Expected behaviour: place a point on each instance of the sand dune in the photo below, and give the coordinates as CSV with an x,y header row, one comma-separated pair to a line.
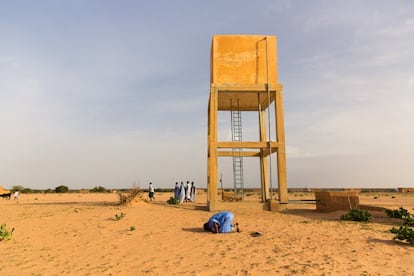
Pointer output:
x,y
77,234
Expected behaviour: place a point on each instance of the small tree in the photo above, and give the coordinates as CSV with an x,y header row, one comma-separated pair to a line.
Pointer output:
x,y
18,188
98,189
61,189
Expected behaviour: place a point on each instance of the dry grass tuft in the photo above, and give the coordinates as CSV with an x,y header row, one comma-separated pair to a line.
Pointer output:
x,y
134,195
230,196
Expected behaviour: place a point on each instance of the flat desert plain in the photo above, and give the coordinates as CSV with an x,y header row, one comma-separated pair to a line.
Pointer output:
x,y
78,234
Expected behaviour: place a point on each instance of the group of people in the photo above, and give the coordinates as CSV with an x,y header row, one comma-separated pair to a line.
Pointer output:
x,y
185,192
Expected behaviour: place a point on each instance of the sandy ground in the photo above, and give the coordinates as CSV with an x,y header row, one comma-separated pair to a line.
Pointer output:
x,y
77,234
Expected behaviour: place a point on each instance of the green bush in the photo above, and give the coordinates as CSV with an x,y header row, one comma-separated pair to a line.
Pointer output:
x,y
99,189
4,234
356,215
404,233
120,216
18,188
408,219
173,201
397,213
61,189
27,191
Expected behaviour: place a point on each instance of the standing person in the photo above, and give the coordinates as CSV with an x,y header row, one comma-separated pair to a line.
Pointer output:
x,y
221,223
188,191
177,191
192,192
182,192
151,191
16,195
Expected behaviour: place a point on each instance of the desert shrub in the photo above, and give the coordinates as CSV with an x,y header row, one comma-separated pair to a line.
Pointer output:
x,y
408,219
98,189
132,228
404,233
173,201
18,188
27,191
230,196
162,190
397,213
126,198
4,233
119,216
356,215
61,189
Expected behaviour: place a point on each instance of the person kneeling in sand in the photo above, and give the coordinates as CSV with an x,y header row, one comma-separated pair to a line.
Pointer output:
x,y
221,223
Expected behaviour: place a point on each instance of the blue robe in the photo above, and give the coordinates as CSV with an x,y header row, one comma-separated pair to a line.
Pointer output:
x,y
177,192
223,219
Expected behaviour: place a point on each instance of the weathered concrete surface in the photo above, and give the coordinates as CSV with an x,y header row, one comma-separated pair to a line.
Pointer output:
x,y
330,201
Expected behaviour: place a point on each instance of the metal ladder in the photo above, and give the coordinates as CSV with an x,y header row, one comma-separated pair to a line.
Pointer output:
x,y
236,126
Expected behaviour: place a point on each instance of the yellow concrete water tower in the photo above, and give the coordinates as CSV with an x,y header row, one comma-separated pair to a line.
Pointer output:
x,y
243,70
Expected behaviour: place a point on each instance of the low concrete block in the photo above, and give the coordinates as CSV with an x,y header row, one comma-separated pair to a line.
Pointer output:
x,y
330,201
406,190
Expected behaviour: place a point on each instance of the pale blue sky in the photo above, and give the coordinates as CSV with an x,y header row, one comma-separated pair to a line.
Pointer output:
x,y
113,92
